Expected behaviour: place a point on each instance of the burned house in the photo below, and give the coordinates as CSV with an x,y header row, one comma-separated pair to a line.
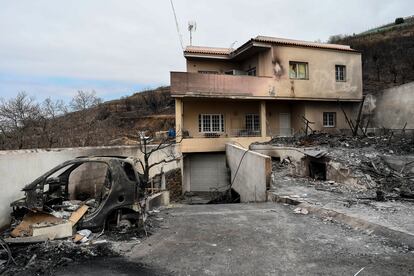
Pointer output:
x,y
267,87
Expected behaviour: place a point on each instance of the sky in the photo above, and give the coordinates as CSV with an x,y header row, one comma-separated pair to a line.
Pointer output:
x,y
51,48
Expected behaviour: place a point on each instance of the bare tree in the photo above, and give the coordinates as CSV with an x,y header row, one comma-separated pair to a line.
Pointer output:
x,y
18,118
166,145
84,100
50,111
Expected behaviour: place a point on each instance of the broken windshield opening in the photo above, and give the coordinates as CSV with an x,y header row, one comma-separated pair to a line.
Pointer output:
x,y
89,180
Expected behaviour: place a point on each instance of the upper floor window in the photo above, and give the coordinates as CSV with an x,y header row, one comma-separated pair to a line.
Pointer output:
x,y
340,72
251,71
298,70
208,123
329,119
253,122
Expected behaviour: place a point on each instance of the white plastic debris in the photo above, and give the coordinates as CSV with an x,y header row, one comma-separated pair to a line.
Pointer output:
x,y
85,233
300,210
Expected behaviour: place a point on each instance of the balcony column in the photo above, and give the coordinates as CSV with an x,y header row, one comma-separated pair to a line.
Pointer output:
x,y
178,118
263,118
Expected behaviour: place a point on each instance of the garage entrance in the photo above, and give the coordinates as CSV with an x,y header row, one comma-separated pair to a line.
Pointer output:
x,y
206,172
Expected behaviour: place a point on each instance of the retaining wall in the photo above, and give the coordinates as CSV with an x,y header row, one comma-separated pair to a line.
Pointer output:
x,y
250,171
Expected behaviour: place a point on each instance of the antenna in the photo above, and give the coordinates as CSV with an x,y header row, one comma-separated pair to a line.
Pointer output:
x,y
192,27
177,26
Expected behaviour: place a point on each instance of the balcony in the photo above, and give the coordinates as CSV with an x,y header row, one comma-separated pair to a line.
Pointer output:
x,y
252,87
199,85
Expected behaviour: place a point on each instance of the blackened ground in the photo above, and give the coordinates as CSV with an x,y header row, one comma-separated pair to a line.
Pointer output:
x,y
45,258
110,266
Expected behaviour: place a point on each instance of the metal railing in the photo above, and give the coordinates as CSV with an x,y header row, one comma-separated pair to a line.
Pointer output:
x,y
244,133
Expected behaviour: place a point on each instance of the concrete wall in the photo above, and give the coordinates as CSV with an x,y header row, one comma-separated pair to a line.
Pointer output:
x,y
20,167
395,107
253,177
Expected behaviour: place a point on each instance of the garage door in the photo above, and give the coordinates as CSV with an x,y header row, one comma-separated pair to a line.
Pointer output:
x,y
208,172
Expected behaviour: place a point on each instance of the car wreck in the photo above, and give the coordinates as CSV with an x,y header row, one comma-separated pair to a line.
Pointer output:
x,y
104,190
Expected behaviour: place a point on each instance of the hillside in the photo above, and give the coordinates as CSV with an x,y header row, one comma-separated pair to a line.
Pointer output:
x,y
119,121
387,54
114,122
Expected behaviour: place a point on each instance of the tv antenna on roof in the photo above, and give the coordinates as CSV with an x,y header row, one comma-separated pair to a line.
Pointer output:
x,y
192,27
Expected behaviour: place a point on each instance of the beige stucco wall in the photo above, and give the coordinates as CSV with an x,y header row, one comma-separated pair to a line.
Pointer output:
x,y
221,66
321,66
314,113
321,82
235,111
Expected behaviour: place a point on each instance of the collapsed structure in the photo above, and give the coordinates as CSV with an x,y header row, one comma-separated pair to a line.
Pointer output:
x,y
267,87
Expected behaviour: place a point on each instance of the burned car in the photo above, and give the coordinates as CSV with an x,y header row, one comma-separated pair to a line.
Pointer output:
x,y
109,186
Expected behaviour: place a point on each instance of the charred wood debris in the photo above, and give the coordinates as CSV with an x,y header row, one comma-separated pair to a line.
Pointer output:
x,y
44,255
385,162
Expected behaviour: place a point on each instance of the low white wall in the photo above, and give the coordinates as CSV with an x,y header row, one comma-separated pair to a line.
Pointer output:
x,y
253,176
20,167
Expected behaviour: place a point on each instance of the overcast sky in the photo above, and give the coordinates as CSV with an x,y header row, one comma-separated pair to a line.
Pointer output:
x,y
117,47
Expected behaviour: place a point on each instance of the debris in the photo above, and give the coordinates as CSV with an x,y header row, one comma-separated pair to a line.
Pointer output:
x,y
359,271
300,210
100,191
24,228
78,214
99,242
82,235
58,231
37,239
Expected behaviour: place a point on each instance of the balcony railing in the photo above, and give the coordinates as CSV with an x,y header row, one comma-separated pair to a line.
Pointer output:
x,y
244,133
215,84
231,133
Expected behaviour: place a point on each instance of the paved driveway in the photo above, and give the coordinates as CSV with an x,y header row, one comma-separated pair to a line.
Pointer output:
x,y
253,239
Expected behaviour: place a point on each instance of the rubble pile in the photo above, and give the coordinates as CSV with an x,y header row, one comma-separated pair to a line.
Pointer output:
x,y
383,164
44,257
174,185
402,143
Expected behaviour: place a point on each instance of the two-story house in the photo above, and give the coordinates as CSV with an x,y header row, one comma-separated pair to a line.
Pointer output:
x,y
267,87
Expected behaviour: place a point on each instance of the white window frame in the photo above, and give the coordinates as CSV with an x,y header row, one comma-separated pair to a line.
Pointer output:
x,y
296,77
252,118
338,76
329,121
202,118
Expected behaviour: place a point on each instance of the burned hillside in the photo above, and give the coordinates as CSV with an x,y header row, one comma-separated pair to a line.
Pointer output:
x,y
387,54
110,123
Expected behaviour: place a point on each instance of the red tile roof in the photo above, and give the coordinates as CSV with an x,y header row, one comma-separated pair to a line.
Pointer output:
x,y
264,39
302,43
208,50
